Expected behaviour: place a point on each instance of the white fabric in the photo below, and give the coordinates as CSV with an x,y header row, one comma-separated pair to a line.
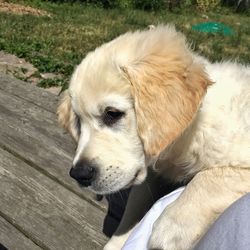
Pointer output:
x,y
139,237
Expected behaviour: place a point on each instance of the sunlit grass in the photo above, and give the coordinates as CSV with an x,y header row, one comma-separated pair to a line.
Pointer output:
x,y
58,43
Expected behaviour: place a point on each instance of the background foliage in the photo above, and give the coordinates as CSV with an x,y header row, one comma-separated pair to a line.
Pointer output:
x,y
204,5
58,42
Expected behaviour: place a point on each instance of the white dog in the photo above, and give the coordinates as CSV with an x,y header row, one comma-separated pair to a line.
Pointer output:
x,y
145,99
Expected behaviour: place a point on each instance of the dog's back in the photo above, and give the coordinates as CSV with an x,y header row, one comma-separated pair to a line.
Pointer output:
x,y
228,103
219,135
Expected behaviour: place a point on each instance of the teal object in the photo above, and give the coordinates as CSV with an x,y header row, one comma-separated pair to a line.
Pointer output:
x,y
213,27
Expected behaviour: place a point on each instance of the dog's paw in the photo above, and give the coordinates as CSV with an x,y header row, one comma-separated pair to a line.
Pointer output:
x,y
116,242
173,230
165,234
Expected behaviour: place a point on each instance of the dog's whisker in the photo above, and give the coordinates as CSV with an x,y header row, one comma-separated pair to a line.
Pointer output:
x,y
124,202
151,194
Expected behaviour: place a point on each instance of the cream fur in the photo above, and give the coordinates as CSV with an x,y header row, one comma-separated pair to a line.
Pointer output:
x,y
175,119
219,134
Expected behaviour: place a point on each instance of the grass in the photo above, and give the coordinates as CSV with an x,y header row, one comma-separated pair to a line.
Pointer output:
x,y
58,43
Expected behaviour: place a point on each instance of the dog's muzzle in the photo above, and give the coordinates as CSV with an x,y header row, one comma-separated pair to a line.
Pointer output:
x,y
83,172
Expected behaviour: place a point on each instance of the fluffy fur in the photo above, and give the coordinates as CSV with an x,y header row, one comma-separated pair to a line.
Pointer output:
x,y
184,115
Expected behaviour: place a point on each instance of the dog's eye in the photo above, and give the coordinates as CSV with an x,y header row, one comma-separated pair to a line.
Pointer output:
x,y
112,115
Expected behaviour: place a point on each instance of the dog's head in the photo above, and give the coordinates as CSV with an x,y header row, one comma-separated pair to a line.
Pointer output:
x,y
127,101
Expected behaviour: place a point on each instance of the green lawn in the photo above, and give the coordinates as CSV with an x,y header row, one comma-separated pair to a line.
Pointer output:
x,y
58,43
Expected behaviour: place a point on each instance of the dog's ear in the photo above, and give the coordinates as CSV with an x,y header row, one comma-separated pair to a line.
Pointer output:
x,y
167,92
66,116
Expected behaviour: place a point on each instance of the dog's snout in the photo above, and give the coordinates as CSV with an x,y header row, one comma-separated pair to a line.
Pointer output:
x,y
83,172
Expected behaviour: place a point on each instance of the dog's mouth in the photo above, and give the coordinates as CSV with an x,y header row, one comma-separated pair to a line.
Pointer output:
x,y
138,178
132,181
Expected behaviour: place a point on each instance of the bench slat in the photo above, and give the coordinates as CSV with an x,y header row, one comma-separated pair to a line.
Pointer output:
x,y
50,215
26,91
33,133
13,239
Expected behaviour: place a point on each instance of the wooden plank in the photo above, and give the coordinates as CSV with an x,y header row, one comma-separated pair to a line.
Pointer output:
x,y
13,239
32,133
30,93
49,214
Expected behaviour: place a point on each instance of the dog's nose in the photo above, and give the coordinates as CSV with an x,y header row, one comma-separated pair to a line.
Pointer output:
x,y
83,172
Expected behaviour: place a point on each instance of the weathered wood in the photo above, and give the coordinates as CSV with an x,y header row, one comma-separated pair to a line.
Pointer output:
x,y
29,93
32,132
13,239
46,212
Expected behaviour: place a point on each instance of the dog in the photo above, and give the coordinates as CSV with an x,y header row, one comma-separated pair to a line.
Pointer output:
x,y
145,99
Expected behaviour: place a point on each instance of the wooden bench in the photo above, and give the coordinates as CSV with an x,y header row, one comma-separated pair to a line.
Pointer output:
x,y
41,207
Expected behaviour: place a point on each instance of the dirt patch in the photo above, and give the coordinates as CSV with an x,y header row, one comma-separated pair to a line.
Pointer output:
x,y
11,64
21,10
21,69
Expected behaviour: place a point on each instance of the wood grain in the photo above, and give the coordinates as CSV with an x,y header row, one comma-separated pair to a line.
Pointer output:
x,y
47,213
29,93
32,133
13,239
